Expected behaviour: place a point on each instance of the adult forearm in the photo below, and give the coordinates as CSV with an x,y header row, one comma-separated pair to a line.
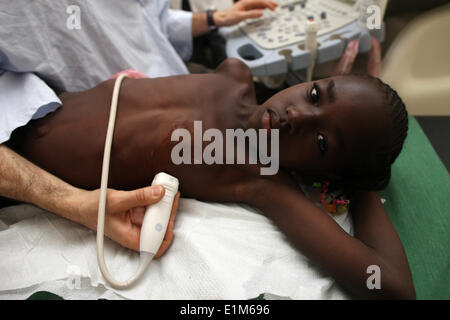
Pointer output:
x,y
23,181
200,22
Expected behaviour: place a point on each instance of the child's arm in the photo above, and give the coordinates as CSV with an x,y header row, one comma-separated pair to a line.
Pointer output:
x,y
323,241
373,227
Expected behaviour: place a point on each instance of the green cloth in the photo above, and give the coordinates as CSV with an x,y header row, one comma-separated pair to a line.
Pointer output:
x,y
418,203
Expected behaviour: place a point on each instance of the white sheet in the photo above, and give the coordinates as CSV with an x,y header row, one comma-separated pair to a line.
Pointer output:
x,y
219,252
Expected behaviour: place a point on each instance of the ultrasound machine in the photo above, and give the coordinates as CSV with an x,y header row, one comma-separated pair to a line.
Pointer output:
x,y
275,46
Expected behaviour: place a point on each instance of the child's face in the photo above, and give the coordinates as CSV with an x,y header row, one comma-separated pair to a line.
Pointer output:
x,y
327,125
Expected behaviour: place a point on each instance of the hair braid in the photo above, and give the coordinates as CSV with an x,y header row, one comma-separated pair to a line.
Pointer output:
x,y
376,173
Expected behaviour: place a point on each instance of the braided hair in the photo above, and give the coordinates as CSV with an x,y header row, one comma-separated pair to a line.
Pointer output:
x,y
375,172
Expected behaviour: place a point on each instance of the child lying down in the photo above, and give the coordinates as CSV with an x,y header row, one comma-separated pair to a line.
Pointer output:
x,y
346,130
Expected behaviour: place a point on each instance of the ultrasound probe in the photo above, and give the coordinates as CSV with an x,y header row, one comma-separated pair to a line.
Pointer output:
x,y
156,216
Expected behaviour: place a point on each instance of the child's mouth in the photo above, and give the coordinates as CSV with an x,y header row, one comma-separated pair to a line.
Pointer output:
x,y
266,120
271,120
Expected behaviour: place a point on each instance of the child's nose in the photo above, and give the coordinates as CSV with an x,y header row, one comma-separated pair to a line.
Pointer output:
x,y
299,119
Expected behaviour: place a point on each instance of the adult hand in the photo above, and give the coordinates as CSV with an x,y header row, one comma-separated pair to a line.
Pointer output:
x,y
125,212
347,60
242,10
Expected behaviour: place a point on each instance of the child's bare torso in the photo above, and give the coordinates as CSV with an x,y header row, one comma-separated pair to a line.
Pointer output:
x,y
69,143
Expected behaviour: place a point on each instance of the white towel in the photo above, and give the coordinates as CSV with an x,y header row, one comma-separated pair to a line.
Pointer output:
x,y
220,251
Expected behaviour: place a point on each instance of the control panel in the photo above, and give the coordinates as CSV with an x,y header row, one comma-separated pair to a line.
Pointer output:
x,y
285,25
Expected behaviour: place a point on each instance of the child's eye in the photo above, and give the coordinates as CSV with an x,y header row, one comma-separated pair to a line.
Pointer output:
x,y
315,93
322,142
